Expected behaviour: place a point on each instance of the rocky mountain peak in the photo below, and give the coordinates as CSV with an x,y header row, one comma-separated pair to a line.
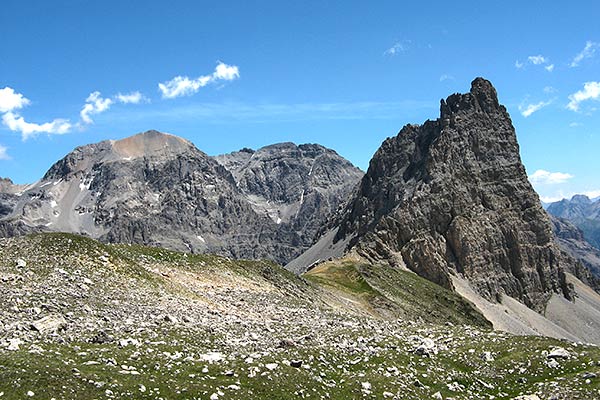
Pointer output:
x,y
150,144
451,198
481,98
581,199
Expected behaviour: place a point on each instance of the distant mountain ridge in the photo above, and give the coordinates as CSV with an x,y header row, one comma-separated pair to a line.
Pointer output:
x,y
583,212
158,189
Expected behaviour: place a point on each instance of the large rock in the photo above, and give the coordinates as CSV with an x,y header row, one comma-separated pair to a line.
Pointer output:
x,y
451,197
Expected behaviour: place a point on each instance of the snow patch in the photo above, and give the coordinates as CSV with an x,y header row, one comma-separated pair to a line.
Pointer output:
x,y
53,203
200,238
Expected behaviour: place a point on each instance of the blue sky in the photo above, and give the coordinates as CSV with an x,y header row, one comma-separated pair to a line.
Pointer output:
x,y
346,74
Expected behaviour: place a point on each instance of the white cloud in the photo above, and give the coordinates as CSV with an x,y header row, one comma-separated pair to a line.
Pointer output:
x,y
130,98
591,91
588,52
184,86
549,68
226,72
519,64
537,60
11,100
529,109
3,153
575,124
16,123
446,77
543,177
550,89
398,47
94,104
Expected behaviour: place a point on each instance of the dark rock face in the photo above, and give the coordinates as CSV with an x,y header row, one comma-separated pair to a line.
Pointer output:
x,y
583,213
158,189
452,196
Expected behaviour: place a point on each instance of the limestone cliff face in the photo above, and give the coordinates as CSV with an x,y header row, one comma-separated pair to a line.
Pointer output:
x,y
158,189
451,196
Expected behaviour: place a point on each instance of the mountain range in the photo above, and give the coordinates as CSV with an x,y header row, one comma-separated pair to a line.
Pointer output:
x,y
448,200
158,189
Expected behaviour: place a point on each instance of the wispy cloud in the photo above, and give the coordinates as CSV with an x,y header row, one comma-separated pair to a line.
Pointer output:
x,y
269,113
130,98
446,77
4,153
527,110
397,48
543,177
184,86
588,52
560,195
590,91
16,123
536,60
11,100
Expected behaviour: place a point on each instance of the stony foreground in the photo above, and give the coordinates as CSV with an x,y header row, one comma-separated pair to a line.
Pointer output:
x,y
81,320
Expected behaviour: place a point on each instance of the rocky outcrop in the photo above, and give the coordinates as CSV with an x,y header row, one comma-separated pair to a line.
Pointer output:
x,y
451,197
158,189
583,213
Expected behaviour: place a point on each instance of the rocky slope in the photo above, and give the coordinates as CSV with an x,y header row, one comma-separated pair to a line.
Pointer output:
x,y
583,213
83,320
571,240
158,189
450,200
296,186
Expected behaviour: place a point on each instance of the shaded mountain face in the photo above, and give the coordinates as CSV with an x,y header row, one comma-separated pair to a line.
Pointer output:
x,y
297,187
571,239
159,189
452,197
583,213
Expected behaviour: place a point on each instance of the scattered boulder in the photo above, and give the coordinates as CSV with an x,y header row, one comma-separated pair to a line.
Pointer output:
x,y
559,352
487,356
426,348
13,344
49,324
